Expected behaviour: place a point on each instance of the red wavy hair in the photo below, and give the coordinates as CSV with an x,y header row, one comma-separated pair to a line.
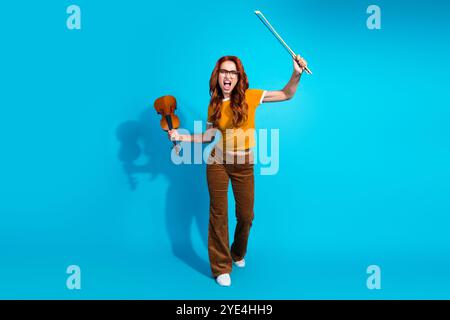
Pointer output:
x,y
237,97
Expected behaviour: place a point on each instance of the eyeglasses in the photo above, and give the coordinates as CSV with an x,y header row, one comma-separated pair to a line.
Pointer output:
x,y
231,73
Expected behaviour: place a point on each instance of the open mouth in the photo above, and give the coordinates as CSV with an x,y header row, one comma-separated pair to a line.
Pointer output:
x,y
227,85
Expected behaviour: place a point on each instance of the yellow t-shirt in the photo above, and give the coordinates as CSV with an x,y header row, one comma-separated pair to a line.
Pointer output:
x,y
243,137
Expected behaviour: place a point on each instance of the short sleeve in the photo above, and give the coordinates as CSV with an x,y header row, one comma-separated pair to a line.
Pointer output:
x,y
255,97
210,112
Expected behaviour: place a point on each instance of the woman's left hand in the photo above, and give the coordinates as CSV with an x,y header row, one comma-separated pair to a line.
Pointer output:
x,y
299,64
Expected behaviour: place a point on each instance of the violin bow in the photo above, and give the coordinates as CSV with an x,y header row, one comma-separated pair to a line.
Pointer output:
x,y
275,33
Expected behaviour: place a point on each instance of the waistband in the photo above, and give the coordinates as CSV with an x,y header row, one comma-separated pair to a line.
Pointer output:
x,y
231,157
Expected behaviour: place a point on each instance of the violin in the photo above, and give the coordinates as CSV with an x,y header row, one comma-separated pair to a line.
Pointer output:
x,y
165,106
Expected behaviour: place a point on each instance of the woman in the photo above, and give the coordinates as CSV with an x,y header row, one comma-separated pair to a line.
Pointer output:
x,y
231,112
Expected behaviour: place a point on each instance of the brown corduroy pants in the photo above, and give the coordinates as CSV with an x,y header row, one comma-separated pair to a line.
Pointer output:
x,y
242,181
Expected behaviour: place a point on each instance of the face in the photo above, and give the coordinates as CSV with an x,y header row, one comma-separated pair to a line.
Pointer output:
x,y
228,77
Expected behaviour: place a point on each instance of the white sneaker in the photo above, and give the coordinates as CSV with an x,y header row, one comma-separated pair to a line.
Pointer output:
x,y
240,263
224,280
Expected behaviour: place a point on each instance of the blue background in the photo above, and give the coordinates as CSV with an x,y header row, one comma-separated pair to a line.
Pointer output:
x,y
86,177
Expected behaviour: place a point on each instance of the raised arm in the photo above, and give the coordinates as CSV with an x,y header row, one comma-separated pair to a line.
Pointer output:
x,y
291,87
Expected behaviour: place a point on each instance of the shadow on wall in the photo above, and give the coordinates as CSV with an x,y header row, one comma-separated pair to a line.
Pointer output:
x,y
187,199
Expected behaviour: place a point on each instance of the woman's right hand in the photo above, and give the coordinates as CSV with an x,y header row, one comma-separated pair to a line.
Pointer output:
x,y
174,135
